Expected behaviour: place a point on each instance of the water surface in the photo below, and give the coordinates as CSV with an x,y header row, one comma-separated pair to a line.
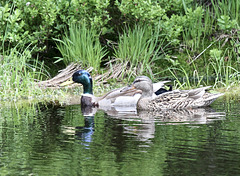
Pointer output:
x,y
58,140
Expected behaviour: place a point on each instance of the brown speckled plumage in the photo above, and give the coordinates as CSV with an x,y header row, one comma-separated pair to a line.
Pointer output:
x,y
176,99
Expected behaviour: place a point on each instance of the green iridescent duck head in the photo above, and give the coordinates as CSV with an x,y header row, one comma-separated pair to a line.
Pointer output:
x,y
84,78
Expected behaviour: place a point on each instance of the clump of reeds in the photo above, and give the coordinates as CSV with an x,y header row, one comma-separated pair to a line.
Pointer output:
x,y
81,44
137,51
18,73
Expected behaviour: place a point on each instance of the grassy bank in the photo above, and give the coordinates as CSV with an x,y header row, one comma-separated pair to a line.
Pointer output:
x,y
194,44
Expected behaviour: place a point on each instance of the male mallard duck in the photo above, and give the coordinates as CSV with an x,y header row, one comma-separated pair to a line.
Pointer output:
x,y
176,99
115,97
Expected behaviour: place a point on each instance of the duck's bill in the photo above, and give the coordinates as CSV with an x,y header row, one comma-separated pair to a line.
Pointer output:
x,y
128,88
67,83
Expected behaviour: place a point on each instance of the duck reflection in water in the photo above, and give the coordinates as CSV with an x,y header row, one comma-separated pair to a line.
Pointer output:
x,y
144,128
85,133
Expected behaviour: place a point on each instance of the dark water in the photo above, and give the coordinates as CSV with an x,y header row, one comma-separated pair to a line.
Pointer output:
x,y
55,140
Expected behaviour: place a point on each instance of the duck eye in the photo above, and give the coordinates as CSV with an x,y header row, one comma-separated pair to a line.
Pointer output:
x,y
136,81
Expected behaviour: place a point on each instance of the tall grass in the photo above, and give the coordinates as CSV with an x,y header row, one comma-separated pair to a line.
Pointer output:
x,y
17,75
81,45
228,8
219,67
18,70
138,49
187,80
225,73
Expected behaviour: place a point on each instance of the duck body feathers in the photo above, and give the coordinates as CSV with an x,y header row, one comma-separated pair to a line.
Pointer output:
x,y
179,99
115,98
176,99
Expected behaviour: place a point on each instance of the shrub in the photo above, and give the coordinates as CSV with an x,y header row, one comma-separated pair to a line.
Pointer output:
x,y
37,21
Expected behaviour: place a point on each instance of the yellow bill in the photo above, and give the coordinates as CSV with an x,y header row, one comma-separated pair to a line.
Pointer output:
x,y
67,83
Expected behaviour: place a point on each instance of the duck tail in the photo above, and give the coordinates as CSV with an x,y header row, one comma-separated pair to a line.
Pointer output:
x,y
211,98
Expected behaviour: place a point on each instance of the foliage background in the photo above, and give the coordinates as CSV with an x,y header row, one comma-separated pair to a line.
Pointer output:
x,y
192,38
39,21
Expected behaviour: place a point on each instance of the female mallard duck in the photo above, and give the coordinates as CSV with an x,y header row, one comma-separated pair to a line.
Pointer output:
x,y
113,98
176,99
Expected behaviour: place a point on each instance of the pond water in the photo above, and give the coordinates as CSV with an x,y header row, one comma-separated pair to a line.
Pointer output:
x,y
59,140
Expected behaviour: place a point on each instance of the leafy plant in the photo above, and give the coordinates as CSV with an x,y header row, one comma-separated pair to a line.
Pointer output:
x,y
35,22
141,10
225,23
225,9
193,27
11,27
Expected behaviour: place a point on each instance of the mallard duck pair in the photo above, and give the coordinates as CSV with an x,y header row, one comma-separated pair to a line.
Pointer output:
x,y
142,93
115,97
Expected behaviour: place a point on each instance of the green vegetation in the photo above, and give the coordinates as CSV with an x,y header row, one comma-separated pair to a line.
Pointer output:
x,y
138,49
81,45
191,42
18,72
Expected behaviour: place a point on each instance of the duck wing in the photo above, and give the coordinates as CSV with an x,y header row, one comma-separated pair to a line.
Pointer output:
x,y
169,100
118,92
210,98
196,93
117,97
180,99
202,97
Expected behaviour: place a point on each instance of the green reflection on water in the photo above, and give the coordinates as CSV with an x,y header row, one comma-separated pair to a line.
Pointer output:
x,y
54,140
